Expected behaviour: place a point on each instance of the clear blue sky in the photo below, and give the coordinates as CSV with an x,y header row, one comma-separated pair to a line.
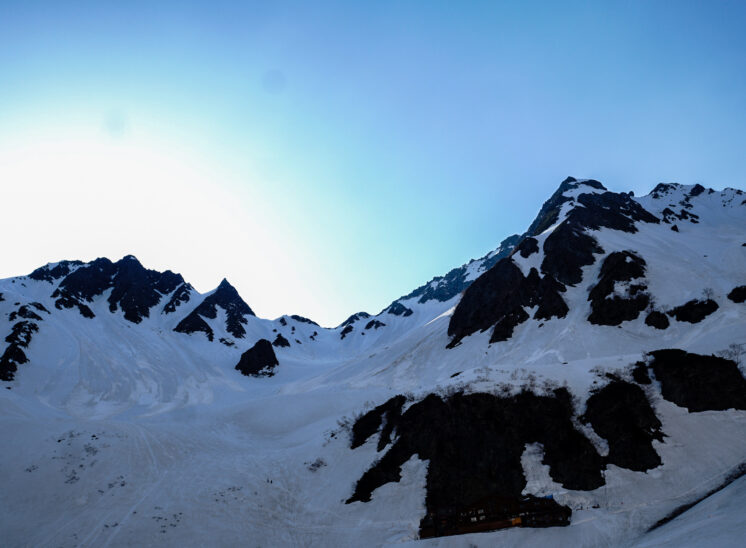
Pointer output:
x,y
329,157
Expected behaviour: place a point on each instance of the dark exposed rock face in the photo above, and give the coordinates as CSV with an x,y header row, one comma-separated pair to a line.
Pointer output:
x,y
19,338
387,414
280,341
65,300
609,309
24,312
444,288
9,362
259,360
194,323
474,444
180,296
694,311
398,309
696,190
374,324
13,356
225,297
569,248
670,216
21,333
49,273
497,298
621,414
640,373
528,247
549,212
83,285
697,382
657,319
303,320
346,331
738,294
134,289
354,318
505,326
566,251
661,189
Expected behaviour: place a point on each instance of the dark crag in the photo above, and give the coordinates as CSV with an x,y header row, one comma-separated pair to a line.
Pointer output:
x,y
697,382
621,414
498,298
134,289
259,360
225,297
474,444
607,308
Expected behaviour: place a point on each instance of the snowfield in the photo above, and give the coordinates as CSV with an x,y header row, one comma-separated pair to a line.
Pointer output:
x,y
131,434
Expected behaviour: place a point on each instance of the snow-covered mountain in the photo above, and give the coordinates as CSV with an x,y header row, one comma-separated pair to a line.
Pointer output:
x,y
586,375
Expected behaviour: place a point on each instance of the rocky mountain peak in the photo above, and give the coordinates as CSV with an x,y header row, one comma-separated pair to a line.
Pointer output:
x,y
550,210
498,298
51,272
134,288
225,285
226,297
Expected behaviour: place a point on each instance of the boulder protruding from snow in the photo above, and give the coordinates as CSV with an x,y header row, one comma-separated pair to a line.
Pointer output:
x,y
738,294
657,320
259,360
694,311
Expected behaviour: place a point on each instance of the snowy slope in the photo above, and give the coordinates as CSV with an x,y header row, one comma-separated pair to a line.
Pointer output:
x,y
142,432
716,521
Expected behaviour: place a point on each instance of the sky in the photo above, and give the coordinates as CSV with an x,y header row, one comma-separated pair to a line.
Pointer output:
x,y
328,157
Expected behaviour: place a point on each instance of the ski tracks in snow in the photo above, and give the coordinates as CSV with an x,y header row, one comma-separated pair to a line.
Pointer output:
x,y
153,467
156,468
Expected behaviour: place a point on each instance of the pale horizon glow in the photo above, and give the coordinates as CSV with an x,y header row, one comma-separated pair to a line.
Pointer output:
x,y
329,158
110,198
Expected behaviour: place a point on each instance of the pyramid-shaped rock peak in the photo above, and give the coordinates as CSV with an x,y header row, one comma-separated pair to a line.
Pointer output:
x,y
225,297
